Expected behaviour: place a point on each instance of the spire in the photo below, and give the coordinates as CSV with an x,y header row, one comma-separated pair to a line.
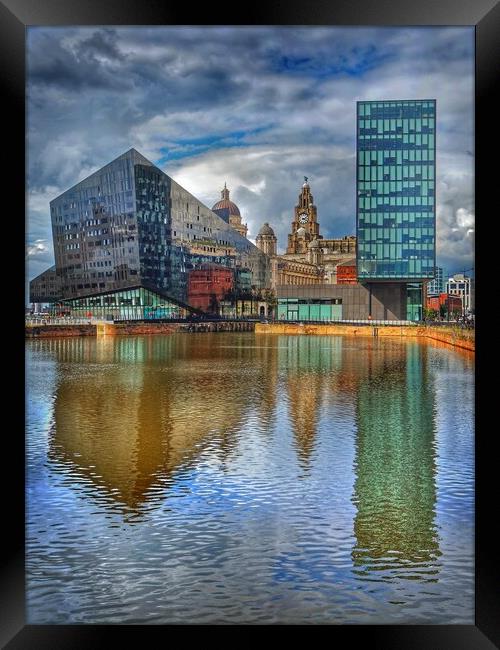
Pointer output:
x,y
225,192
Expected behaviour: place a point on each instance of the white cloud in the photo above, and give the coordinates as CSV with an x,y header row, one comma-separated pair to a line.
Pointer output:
x,y
465,218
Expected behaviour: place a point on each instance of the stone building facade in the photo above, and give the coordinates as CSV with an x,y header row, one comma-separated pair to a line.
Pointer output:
x,y
309,257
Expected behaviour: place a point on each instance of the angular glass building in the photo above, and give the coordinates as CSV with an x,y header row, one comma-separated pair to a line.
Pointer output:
x,y
129,225
396,190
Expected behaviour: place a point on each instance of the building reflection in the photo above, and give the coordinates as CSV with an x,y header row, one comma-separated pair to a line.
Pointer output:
x,y
307,363
395,466
139,410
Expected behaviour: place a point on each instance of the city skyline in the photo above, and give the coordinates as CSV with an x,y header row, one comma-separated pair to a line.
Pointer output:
x,y
194,102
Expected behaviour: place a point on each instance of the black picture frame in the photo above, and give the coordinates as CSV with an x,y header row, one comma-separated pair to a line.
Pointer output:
x,y
15,16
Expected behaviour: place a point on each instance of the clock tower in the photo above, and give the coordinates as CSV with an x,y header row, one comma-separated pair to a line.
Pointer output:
x,y
305,227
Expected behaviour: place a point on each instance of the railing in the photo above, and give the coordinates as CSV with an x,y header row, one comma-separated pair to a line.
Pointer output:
x,y
35,321
32,321
393,323
468,324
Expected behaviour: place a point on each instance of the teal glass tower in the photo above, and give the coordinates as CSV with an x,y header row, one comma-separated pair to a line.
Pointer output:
x,y
396,190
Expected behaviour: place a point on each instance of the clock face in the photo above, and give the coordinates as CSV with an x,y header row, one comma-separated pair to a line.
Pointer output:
x,y
303,217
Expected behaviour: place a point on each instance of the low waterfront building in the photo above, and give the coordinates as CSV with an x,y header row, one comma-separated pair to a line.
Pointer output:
x,y
134,303
381,301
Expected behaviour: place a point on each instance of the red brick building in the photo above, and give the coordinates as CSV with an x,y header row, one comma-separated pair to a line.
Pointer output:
x,y
208,285
346,273
452,303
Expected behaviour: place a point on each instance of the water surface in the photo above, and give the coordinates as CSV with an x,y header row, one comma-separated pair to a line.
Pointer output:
x,y
243,478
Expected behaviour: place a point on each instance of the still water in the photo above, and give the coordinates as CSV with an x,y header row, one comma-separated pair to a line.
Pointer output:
x,y
245,478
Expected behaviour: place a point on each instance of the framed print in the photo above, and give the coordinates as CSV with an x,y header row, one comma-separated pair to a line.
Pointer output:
x,y
238,236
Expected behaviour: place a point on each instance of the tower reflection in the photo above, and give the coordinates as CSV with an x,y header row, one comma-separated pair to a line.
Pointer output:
x,y
395,485
307,363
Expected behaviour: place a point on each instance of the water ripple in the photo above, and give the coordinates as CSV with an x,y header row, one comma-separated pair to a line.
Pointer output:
x,y
236,478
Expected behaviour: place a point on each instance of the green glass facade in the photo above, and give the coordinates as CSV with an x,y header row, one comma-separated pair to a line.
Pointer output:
x,y
309,309
136,303
396,188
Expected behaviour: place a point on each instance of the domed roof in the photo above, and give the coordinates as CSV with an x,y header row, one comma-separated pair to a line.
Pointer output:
x,y
225,205
313,244
266,230
301,232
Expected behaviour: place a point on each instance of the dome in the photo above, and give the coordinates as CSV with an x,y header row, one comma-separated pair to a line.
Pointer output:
x,y
314,244
301,232
225,207
226,204
266,230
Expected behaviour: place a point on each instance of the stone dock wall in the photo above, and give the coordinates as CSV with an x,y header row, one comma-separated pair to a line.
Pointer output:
x,y
51,331
453,336
131,329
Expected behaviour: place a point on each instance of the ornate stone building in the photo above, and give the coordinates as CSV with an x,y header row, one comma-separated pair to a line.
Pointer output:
x,y
267,241
230,212
309,258
285,271
305,226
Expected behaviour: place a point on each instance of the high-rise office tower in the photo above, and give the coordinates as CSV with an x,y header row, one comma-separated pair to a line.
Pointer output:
x,y
396,188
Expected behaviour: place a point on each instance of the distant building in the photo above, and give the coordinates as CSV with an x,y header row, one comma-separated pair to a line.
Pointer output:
x,y
347,273
462,286
230,212
309,258
266,240
452,303
46,287
436,286
295,272
306,244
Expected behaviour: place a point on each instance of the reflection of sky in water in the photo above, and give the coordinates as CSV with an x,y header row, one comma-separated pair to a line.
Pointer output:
x,y
209,479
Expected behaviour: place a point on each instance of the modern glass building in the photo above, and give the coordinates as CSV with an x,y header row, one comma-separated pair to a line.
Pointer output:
x,y
129,224
310,309
134,303
396,176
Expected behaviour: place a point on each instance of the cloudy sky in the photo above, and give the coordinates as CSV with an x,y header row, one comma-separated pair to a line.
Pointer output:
x,y
256,107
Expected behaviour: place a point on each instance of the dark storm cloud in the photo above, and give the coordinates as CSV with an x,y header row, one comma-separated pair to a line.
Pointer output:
x,y
89,64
